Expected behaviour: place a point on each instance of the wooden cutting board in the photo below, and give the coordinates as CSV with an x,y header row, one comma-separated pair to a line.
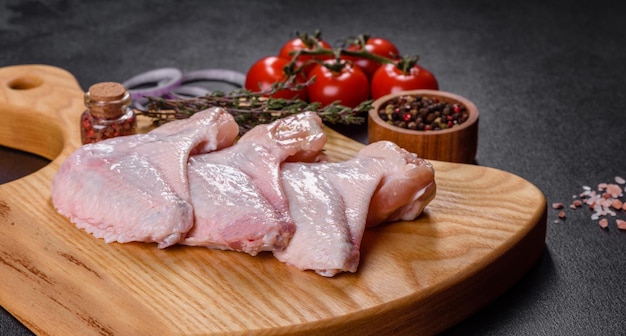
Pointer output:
x,y
482,232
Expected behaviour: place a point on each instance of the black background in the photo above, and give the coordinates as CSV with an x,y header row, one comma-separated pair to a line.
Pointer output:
x,y
549,79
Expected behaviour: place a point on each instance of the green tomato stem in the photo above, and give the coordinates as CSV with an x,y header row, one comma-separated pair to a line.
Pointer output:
x,y
404,64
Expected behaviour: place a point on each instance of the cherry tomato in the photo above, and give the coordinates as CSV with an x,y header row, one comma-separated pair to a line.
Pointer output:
x,y
377,46
349,85
309,45
389,79
269,70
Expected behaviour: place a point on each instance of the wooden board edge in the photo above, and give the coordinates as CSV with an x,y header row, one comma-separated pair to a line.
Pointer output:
x,y
447,306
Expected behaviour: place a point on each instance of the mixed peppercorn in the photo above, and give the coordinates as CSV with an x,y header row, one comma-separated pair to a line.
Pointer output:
x,y
422,113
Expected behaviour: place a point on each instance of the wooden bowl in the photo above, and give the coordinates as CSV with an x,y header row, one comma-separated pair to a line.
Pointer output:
x,y
455,144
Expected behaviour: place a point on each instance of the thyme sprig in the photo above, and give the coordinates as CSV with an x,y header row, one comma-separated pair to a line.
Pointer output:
x,y
252,108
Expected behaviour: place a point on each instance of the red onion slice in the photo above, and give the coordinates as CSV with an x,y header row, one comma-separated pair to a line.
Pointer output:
x,y
166,80
190,91
170,83
223,75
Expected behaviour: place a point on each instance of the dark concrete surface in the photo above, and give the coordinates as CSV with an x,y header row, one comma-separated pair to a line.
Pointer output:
x,y
549,78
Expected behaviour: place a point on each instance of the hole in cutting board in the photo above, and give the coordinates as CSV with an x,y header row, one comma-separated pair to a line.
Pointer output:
x,y
25,83
28,142
15,164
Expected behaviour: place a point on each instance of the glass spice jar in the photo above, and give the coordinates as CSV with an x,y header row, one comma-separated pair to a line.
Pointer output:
x,y
108,113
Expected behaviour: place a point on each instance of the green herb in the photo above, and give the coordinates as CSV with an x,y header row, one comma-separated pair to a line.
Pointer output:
x,y
252,108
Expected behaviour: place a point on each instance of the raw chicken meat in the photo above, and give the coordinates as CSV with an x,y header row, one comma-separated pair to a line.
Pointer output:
x,y
407,187
187,183
237,194
328,202
135,188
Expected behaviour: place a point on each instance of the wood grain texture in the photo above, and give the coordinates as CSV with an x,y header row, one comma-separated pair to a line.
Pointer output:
x,y
482,232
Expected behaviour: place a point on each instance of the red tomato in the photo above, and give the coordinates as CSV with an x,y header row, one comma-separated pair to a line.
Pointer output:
x,y
298,44
349,86
269,70
377,46
389,79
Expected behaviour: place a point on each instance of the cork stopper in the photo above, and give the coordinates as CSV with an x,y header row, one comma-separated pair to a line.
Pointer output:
x,y
107,100
107,91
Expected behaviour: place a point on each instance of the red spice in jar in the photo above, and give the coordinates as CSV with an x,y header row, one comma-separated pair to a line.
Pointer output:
x,y
108,113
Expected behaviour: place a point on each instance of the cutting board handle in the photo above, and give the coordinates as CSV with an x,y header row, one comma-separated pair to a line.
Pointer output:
x,y
41,107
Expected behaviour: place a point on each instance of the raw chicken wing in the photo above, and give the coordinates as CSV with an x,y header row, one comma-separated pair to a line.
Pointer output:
x,y
328,202
236,192
135,188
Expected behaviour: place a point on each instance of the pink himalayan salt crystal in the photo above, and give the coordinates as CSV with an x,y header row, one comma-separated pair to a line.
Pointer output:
x,y
576,204
614,190
604,223
617,204
606,202
601,201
